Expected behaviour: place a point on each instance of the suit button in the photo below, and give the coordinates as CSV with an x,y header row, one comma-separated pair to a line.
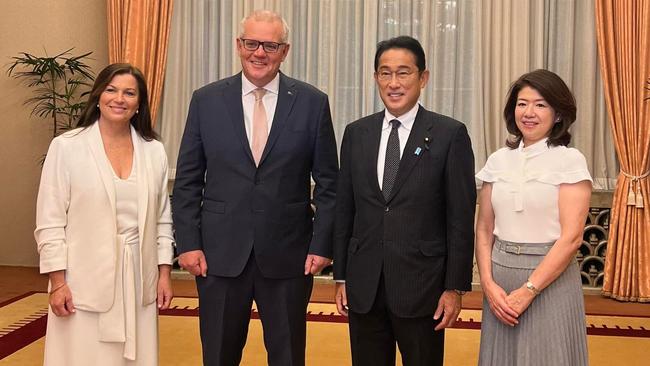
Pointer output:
x,y
386,209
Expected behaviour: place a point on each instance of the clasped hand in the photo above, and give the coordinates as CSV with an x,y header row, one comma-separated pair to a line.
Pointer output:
x,y
507,307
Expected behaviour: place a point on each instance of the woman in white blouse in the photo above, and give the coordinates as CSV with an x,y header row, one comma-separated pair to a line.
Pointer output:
x,y
104,231
532,208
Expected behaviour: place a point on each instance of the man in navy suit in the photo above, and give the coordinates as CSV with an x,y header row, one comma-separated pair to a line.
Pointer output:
x,y
242,202
405,204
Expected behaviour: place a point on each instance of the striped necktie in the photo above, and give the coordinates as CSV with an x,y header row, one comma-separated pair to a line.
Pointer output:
x,y
391,164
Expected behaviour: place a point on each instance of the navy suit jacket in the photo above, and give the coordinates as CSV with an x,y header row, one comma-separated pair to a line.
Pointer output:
x,y
226,206
422,238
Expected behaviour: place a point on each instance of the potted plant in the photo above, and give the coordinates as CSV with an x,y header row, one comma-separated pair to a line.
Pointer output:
x,y
59,84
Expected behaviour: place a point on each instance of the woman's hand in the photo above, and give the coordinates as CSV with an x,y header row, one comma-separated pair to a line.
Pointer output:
x,y
499,306
61,300
60,295
520,299
165,293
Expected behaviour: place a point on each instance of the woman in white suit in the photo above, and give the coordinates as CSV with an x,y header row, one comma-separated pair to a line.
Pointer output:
x,y
104,230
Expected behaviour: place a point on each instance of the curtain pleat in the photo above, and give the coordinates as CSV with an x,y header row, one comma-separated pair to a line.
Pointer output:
x,y
138,33
623,32
517,36
474,50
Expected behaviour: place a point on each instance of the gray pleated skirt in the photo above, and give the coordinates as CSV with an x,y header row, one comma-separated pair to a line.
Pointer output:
x,y
552,331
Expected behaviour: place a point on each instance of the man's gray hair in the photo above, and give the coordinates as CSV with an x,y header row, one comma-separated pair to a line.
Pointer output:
x,y
266,16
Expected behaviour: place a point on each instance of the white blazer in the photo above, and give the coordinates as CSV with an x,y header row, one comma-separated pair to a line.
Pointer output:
x,y
76,227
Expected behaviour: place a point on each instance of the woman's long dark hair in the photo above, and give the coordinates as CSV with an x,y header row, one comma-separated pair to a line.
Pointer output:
x,y
141,121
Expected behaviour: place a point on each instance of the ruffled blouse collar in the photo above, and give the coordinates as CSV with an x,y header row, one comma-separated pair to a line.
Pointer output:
x,y
534,149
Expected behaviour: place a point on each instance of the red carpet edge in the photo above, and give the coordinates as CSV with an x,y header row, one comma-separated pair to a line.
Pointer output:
x,y
32,328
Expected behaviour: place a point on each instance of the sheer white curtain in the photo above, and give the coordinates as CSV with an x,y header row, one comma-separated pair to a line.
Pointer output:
x,y
516,36
332,47
474,50
571,51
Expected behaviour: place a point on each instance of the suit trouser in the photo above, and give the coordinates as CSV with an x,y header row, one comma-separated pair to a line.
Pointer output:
x,y
373,336
225,310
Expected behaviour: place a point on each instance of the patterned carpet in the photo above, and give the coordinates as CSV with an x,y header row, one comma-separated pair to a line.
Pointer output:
x,y
613,340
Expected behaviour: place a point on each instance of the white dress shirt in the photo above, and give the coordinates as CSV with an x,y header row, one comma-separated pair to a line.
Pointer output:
x,y
270,101
525,189
404,130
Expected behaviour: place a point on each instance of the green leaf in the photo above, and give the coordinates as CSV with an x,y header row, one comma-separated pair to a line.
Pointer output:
x,y
59,85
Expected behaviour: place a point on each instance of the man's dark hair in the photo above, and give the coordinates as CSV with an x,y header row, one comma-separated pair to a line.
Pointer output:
x,y
404,42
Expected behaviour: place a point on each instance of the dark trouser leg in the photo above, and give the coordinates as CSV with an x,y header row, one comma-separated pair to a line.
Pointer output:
x,y
371,335
282,304
419,343
224,314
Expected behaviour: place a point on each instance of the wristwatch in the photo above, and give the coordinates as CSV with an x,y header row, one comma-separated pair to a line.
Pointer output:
x,y
532,288
460,293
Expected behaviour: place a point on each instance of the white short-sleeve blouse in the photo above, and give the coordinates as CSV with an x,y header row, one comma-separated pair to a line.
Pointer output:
x,y
525,186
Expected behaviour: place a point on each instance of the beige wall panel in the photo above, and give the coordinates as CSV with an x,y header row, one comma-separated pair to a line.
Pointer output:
x,y
32,26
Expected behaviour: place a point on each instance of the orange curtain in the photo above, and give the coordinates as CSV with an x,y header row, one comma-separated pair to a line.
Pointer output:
x,y
138,33
623,32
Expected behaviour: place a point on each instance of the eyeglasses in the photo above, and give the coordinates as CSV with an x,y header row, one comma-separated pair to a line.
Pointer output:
x,y
253,45
402,75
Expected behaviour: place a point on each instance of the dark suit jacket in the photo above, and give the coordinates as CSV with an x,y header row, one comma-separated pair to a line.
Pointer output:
x,y
422,238
226,206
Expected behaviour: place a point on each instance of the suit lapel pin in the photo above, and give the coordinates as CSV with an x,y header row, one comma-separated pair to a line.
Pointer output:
x,y
426,142
418,151
290,92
